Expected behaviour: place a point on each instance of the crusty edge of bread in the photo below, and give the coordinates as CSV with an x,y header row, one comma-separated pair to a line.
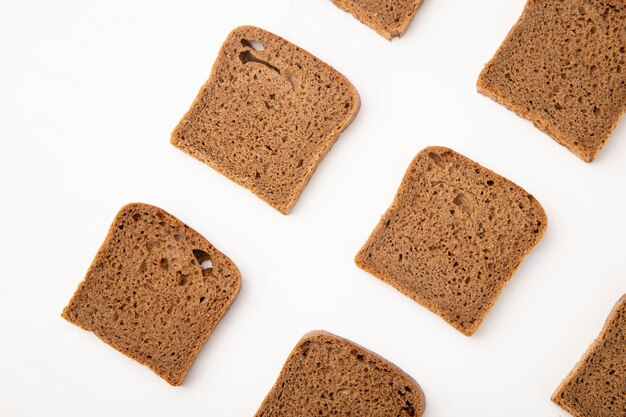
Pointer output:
x,y
322,154
361,254
198,155
557,136
201,340
397,32
589,352
540,124
316,333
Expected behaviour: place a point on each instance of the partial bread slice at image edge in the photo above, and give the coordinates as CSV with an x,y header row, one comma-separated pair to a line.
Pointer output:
x,y
268,114
329,375
493,94
569,82
448,208
611,367
389,18
155,290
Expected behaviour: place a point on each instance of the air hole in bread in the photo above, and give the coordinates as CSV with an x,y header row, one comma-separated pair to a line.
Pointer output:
x,y
204,259
256,45
462,201
410,410
437,160
182,279
246,56
207,265
292,80
357,355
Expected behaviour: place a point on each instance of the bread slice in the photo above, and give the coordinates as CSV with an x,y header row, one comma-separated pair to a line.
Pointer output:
x,y
563,66
326,375
597,385
453,236
268,114
155,290
390,18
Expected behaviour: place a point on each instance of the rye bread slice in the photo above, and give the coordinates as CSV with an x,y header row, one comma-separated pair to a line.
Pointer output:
x,y
155,290
596,387
326,375
562,66
268,114
453,236
390,18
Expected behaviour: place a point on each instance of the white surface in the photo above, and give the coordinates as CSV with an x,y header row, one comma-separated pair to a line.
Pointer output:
x,y
89,93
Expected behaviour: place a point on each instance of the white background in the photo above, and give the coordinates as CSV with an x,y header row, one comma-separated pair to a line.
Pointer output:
x,y
89,93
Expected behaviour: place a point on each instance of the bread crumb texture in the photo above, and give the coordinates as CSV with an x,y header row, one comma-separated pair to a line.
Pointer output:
x,y
562,67
453,236
268,114
390,18
596,387
155,290
326,375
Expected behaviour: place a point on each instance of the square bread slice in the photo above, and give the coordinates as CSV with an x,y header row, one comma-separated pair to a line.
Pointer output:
x,y
563,66
326,375
453,236
596,387
268,114
155,290
390,18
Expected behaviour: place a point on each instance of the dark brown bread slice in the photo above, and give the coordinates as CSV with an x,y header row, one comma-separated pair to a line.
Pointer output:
x,y
562,66
268,114
453,236
326,375
596,387
155,290
390,18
